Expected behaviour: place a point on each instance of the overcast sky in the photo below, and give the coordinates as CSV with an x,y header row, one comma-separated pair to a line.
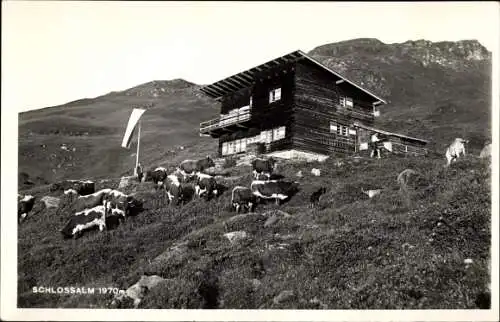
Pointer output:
x,y
55,52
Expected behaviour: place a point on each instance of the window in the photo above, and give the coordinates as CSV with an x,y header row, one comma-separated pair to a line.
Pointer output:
x,y
230,147
233,147
275,95
279,133
346,101
254,139
266,136
340,129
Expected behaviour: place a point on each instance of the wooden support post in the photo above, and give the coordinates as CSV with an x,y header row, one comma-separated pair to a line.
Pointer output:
x,y
138,147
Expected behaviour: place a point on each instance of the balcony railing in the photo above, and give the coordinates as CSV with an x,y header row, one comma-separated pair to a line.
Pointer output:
x,y
355,112
224,121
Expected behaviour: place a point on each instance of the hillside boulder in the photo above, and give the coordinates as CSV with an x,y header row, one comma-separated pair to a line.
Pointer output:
x,y
126,182
235,236
137,291
51,202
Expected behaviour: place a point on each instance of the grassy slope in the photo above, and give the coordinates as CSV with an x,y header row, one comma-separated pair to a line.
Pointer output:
x,y
348,253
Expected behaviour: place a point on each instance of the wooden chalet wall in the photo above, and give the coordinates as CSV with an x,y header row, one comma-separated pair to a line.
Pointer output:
x,y
265,115
317,103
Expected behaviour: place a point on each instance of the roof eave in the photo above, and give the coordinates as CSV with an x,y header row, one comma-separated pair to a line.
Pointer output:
x,y
342,77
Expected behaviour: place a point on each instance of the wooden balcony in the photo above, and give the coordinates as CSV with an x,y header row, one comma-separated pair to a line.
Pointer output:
x,y
225,122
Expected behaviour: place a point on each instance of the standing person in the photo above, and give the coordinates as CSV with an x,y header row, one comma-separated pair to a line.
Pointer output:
x,y
374,146
139,172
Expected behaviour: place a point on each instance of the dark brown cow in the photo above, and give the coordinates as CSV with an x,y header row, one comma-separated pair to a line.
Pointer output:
x,y
263,167
316,195
242,197
79,187
191,167
157,176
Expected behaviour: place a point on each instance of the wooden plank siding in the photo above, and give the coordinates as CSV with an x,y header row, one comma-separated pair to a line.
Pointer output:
x,y
316,104
264,115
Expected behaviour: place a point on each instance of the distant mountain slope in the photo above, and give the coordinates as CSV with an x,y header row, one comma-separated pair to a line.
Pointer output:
x,y
437,91
95,127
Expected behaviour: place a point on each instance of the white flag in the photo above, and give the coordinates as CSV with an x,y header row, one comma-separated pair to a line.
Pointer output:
x,y
132,123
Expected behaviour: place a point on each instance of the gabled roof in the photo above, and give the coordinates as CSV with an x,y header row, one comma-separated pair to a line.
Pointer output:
x,y
358,124
246,78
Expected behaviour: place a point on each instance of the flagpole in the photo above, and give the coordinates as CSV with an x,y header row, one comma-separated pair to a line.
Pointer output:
x,y
138,146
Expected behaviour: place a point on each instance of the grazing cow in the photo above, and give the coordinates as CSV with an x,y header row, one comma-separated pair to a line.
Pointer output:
x,y
188,192
157,175
24,206
316,195
266,166
82,188
206,185
115,199
90,201
273,189
242,197
172,186
454,150
189,168
84,220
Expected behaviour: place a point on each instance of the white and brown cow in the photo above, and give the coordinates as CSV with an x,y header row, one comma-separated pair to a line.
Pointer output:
x,y
274,189
24,206
118,200
85,220
242,197
206,185
456,148
89,201
263,167
189,168
172,186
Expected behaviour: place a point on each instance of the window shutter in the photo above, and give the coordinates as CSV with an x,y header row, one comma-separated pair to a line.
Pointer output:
x,y
349,102
277,95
